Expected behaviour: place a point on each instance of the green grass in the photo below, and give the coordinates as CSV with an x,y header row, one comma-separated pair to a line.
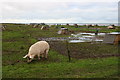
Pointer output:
x,y
18,38
86,68
86,50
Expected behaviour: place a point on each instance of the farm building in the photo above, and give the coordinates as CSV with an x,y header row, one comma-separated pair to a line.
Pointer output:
x,y
111,27
112,38
88,25
45,27
76,26
2,27
35,26
67,24
63,31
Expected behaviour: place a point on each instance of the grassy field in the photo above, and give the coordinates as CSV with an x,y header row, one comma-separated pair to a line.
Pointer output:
x,y
88,60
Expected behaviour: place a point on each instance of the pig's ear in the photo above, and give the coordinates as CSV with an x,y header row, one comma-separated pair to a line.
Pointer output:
x,y
25,56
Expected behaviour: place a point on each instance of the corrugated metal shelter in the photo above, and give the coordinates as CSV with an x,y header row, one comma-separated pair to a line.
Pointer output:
x,y
63,31
45,27
2,28
111,27
35,26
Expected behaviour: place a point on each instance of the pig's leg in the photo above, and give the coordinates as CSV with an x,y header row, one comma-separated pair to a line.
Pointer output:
x,y
46,53
38,56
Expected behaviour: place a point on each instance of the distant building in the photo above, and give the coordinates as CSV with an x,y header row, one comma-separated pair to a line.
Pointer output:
x,y
76,26
63,31
111,27
3,27
67,24
45,27
34,26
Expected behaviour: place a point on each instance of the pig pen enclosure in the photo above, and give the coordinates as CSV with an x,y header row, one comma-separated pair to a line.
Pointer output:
x,y
88,60
85,50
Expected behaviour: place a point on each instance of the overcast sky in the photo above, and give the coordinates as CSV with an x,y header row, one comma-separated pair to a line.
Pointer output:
x,y
72,11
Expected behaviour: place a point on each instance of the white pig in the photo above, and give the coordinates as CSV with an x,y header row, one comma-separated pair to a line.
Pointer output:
x,y
39,48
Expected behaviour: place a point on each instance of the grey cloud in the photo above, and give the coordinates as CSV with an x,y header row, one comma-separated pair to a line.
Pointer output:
x,y
78,11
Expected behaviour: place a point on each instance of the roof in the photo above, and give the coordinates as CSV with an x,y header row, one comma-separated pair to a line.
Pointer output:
x,y
114,33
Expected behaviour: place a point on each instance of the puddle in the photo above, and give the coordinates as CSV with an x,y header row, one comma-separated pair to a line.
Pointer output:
x,y
114,33
76,41
98,40
88,37
93,34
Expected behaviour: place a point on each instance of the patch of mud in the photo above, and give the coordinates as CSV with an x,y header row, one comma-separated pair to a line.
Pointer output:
x,y
9,52
35,60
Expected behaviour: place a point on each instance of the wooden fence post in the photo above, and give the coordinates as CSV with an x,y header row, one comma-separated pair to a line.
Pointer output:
x,y
69,57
